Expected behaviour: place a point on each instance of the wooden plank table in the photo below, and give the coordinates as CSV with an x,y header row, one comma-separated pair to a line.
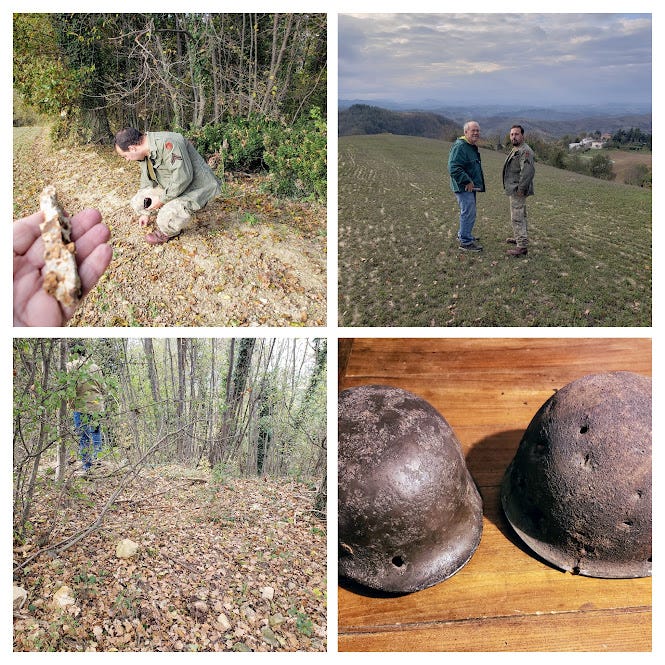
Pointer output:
x,y
505,598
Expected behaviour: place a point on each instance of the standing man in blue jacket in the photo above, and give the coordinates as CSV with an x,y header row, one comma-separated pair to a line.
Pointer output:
x,y
466,178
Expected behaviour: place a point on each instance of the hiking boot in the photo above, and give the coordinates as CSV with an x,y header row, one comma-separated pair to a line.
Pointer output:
x,y
158,238
511,241
518,251
471,247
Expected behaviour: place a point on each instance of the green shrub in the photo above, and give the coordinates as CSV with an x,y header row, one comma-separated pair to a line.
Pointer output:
x,y
295,156
245,142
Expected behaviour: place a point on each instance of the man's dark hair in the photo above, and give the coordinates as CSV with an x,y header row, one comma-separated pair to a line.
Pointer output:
x,y
128,136
518,127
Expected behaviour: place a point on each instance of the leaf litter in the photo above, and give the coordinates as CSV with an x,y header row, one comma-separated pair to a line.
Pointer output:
x,y
249,260
231,565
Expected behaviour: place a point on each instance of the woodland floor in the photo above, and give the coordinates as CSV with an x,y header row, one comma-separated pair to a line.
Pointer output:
x,y
249,260
224,564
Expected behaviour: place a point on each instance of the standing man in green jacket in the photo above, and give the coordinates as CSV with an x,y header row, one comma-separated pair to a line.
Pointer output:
x,y
466,178
175,180
518,173
88,405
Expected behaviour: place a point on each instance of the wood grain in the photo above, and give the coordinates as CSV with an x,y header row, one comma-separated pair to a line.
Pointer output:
x,y
506,598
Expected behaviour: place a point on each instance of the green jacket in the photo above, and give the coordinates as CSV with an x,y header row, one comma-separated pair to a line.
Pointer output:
x,y
464,166
519,170
179,169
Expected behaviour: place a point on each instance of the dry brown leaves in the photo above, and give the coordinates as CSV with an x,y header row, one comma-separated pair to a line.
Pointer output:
x,y
249,260
226,565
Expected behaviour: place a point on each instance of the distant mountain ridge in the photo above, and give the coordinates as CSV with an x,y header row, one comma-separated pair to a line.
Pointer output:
x,y
495,121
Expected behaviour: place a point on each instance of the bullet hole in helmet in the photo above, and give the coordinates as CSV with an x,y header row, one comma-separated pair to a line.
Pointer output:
x,y
398,561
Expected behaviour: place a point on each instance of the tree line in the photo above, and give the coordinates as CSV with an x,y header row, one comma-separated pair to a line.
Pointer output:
x,y
96,73
246,407
366,119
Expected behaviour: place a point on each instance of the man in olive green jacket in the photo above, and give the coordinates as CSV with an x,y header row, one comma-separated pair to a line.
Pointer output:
x,y
88,405
175,180
518,174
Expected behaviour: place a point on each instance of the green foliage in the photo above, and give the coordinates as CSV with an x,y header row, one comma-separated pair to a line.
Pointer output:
x,y
295,155
303,622
297,158
41,76
365,119
244,137
600,166
633,138
220,474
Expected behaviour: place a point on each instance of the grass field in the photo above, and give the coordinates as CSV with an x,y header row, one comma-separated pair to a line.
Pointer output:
x,y
589,261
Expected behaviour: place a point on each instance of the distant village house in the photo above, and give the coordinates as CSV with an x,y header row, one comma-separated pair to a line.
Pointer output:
x,y
589,143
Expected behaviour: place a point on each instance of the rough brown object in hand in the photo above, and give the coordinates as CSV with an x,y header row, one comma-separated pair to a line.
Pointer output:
x,y
61,279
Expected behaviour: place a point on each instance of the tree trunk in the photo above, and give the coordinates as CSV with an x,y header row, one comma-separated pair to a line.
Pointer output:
x,y
235,392
40,446
61,454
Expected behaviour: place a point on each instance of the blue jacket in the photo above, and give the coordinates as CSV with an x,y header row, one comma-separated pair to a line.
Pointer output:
x,y
464,166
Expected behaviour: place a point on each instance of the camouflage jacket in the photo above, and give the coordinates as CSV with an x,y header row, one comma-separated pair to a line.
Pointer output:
x,y
179,169
519,170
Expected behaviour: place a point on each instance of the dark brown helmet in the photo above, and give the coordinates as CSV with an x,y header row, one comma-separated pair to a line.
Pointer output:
x,y
410,515
578,491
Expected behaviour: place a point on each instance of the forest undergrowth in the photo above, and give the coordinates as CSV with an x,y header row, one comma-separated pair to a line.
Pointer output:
x,y
223,564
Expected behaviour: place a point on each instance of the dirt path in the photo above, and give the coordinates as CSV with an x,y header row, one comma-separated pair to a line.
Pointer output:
x,y
249,260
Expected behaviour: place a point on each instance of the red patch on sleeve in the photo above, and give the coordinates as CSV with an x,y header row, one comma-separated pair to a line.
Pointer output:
x,y
168,145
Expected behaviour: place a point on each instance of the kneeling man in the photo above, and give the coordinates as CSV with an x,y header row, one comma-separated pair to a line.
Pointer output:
x,y
175,180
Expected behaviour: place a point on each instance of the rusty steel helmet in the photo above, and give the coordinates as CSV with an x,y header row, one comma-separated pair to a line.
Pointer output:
x,y
410,515
578,491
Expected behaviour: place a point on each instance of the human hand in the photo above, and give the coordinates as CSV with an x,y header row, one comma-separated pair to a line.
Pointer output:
x,y
469,186
32,305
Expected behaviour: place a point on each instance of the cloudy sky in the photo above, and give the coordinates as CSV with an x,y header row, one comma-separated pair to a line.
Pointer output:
x,y
540,59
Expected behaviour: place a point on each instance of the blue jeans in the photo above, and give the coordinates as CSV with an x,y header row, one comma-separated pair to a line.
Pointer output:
x,y
467,216
90,438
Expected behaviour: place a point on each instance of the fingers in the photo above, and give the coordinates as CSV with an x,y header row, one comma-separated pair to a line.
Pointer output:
x,y
83,221
90,239
26,231
93,266
32,305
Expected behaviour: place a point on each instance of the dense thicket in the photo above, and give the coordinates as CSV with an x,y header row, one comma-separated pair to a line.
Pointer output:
x,y
237,406
102,72
256,83
633,138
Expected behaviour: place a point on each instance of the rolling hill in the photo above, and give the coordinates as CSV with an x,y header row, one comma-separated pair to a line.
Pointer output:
x,y
365,119
589,261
